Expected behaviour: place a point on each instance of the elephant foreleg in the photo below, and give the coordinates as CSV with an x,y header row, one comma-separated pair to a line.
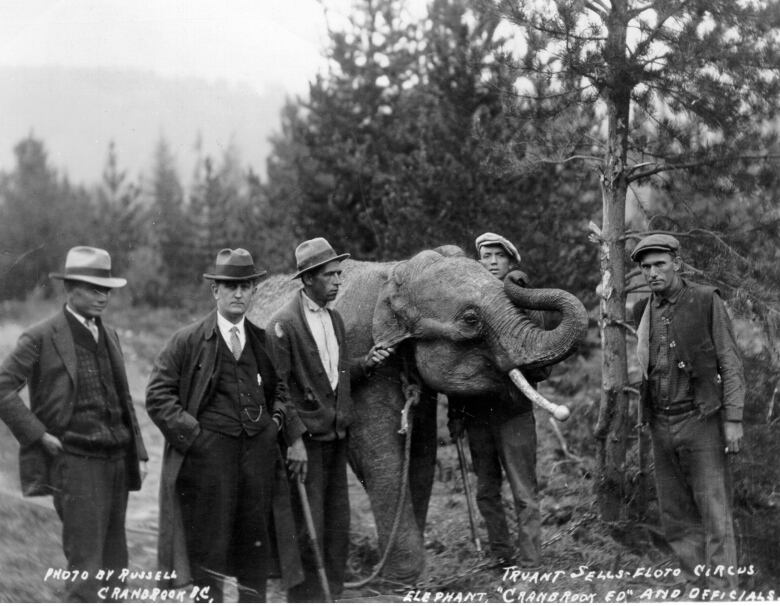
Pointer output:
x,y
423,455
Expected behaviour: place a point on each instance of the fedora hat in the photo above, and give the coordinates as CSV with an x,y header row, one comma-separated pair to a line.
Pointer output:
x,y
234,265
314,253
91,265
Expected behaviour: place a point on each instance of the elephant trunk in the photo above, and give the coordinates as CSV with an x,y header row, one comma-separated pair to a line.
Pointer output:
x,y
524,342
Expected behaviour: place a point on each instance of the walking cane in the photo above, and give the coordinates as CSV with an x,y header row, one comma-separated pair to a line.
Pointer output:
x,y
467,489
313,538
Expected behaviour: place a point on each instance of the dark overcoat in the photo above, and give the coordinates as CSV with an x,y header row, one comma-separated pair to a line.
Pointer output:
x,y
178,387
44,359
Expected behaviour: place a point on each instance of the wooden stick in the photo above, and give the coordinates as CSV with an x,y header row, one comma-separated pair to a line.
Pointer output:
x,y
315,546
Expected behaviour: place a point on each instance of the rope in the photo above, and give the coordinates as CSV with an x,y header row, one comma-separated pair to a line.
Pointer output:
x,y
412,393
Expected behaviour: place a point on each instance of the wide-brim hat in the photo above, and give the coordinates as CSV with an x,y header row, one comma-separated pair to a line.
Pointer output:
x,y
315,253
491,239
90,265
234,266
658,243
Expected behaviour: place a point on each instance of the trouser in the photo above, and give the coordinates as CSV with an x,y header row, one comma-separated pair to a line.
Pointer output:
x,y
91,500
225,488
510,444
326,488
694,493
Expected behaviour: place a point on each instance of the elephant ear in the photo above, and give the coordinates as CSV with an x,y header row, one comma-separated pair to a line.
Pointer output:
x,y
396,317
392,319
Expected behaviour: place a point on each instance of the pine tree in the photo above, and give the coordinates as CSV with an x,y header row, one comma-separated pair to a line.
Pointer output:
x,y
680,85
119,215
170,225
41,217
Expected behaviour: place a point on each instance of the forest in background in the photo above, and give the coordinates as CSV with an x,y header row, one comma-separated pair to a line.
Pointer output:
x,y
433,131
415,137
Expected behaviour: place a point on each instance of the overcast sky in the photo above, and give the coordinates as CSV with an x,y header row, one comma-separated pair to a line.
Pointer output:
x,y
271,47
258,42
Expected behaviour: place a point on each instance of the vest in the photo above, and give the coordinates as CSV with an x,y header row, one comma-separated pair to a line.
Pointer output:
x,y
237,399
98,426
694,350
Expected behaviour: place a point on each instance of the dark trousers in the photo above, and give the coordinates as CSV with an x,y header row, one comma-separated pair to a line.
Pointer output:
x,y
694,493
326,488
91,499
511,445
225,488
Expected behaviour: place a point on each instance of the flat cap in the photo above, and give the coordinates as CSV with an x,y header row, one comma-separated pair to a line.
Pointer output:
x,y
491,239
657,243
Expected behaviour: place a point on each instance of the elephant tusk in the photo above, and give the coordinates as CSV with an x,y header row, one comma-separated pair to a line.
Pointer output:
x,y
558,411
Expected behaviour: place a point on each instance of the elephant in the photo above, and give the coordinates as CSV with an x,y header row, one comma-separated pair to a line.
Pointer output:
x,y
456,330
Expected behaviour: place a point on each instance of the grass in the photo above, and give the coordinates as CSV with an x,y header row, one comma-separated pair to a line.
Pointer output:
x,y
573,536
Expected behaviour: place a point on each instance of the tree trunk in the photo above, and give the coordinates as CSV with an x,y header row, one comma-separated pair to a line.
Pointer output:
x,y
612,428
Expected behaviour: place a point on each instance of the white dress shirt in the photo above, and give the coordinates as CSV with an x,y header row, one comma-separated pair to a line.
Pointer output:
x,y
321,326
226,325
89,323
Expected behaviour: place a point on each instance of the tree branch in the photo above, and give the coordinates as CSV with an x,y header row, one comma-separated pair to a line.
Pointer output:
x,y
633,235
630,329
569,159
597,7
660,168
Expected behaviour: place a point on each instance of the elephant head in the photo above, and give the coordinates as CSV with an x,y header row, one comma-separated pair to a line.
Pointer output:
x,y
468,328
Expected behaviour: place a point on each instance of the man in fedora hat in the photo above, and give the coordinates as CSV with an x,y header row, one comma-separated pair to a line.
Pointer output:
x,y
692,394
79,438
502,436
309,346
216,397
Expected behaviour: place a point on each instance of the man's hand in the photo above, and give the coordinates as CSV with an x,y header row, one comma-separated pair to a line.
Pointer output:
x,y
732,431
297,459
378,356
457,427
51,444
144,468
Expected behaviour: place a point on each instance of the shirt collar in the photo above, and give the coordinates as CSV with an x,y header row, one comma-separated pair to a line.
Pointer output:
x,y
83,319
310,304
225,325
671,299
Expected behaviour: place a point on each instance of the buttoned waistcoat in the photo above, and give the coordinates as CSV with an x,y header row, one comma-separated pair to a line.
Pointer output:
x,y
44,360
180,382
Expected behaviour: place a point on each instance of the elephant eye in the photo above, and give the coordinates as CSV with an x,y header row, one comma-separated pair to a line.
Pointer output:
x,y
470,317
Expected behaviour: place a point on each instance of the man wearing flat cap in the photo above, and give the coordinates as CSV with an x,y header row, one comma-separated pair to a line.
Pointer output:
x,y
218,400
693,391
310,349
80,440
502,435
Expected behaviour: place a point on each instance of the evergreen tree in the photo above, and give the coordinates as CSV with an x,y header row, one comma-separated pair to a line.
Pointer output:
x,y
119,215
170,225
681,86
41,217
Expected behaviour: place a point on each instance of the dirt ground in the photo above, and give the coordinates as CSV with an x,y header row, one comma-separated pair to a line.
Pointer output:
x,y
583,558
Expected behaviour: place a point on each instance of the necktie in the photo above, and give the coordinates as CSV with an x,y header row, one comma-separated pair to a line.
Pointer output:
x,y
235,343
92,326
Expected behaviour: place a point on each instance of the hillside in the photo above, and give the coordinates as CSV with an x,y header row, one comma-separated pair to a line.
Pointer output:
x,y
134,109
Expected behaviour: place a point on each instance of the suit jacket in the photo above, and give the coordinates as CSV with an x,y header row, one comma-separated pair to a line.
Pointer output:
x,y
314,408
45,360
180,384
